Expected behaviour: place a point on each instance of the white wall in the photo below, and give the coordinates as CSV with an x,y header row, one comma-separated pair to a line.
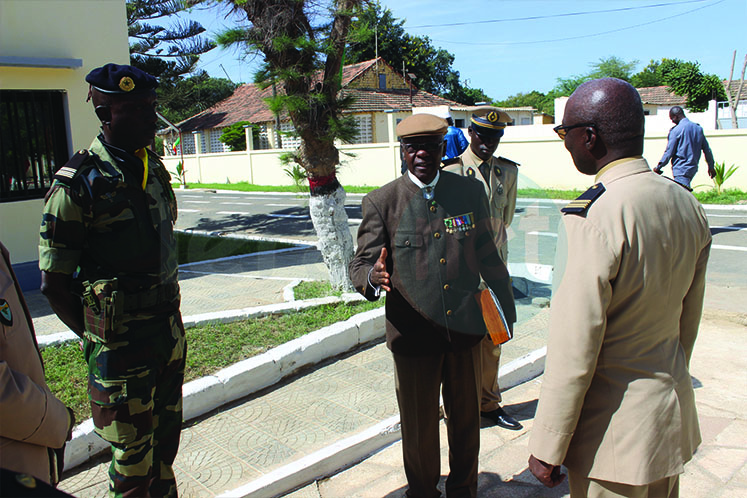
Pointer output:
x,y
544,161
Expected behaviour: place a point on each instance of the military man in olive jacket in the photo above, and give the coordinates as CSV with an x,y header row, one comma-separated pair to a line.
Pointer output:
x,y
426,239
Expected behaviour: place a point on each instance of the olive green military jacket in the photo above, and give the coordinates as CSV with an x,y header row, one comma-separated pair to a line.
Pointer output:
x,y
500,189
617,400
98,217
437,251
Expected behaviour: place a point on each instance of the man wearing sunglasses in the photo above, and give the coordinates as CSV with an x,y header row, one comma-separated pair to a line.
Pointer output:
x,y
498,177
426,239
616,405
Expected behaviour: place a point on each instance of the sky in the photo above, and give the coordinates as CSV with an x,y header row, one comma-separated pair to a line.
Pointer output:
x,y
509,46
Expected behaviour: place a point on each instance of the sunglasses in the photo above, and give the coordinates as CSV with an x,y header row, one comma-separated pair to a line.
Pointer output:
x,y
414,147
562,131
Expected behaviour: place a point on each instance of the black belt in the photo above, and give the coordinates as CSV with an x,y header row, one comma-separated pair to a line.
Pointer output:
x,y
162,294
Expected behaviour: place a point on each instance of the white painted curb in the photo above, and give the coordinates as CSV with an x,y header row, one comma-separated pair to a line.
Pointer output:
x,y
350,451
253,374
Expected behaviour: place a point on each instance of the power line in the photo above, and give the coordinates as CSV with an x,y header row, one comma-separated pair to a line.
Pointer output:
x,y
549,16
531,42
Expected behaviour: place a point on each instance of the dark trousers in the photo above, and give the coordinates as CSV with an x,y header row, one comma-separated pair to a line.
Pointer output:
x,y
418,382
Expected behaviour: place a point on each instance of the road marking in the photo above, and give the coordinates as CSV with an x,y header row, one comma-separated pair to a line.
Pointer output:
x,y
735,229
189,210
232,212
192,196
546,234
282,205
226,197
293,216
355,221
238,203
196,202
729,248
710,215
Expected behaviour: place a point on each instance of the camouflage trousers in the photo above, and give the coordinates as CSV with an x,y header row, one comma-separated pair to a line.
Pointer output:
x,y
135,388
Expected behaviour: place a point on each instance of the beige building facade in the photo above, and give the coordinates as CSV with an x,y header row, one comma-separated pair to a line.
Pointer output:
x,y
46,49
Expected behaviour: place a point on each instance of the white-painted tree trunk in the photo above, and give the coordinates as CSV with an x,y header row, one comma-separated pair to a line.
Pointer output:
x,y
335,242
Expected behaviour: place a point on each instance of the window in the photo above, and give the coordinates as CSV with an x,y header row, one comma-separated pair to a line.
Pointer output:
x,y
33,142
290,140
459,123
382,81
365,132
216,146
188,142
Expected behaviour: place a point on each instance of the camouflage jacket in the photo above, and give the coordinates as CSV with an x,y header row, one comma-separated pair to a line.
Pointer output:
x,y
98,218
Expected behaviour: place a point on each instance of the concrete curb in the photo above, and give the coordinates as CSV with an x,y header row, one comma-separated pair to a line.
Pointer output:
x,y
353,450
253,374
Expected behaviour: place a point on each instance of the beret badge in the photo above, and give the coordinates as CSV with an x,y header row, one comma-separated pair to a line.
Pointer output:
x,y
126,84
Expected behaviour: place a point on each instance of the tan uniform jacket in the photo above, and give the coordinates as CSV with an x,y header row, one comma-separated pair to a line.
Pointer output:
x,y
501,191
617,401
31,418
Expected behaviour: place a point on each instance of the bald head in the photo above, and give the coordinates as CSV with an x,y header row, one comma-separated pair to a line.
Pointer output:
x,y
614,106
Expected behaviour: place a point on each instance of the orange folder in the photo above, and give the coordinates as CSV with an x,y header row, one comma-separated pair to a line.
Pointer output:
x,y
492,314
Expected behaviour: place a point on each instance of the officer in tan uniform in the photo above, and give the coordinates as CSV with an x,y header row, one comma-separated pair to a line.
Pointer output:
x,y
617,406
499,177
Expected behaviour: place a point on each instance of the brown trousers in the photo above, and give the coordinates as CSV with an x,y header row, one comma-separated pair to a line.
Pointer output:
x,y
490,392
418,381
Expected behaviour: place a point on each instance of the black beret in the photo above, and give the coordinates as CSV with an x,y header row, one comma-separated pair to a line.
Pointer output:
x,y
116,79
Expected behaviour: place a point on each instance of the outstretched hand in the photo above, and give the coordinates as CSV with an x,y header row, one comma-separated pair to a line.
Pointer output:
x,y
379,275
547,474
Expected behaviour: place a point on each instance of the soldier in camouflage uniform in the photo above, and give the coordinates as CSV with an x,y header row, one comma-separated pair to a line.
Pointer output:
x,y
110,215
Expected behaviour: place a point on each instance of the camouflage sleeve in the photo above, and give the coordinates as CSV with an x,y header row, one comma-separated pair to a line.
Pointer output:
x,y
62,232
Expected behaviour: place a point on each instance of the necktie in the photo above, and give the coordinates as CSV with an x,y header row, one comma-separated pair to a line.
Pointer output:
x,y
485,171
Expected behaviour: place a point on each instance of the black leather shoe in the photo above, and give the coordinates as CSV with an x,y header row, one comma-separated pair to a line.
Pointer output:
x,y
502,419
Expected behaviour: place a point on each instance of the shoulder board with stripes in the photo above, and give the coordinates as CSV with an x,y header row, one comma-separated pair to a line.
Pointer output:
x,y
583,201
66,173
509,161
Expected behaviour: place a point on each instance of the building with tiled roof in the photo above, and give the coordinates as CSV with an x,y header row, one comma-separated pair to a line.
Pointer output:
x,y
376,89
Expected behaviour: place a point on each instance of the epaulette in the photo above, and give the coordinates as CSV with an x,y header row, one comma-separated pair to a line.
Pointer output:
x,y
66,173
583,201
678,183
509,161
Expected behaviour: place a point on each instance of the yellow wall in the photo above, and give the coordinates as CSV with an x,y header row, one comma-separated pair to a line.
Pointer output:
x,y
93,31
370,79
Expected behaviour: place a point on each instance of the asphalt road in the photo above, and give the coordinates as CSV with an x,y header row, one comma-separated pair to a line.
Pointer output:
x,y
532,235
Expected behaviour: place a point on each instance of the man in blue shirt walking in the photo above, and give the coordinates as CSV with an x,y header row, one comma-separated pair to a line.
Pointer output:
x,y
686,141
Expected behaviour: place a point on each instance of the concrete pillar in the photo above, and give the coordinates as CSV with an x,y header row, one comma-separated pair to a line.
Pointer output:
x,y
249,149
198,152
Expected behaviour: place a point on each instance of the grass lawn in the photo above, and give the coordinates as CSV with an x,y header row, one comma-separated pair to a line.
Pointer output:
x,y
210,347
193,247
730,196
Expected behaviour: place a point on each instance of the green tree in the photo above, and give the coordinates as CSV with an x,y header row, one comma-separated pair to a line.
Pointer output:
x,y
166,52
540,101
649,76
305,61
686,79
186,97
235,137
612,67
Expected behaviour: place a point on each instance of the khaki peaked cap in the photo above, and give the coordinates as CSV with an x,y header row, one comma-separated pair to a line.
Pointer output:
x,y
422,125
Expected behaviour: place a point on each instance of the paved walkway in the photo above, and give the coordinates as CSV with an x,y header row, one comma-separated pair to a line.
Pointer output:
x,y
274,428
